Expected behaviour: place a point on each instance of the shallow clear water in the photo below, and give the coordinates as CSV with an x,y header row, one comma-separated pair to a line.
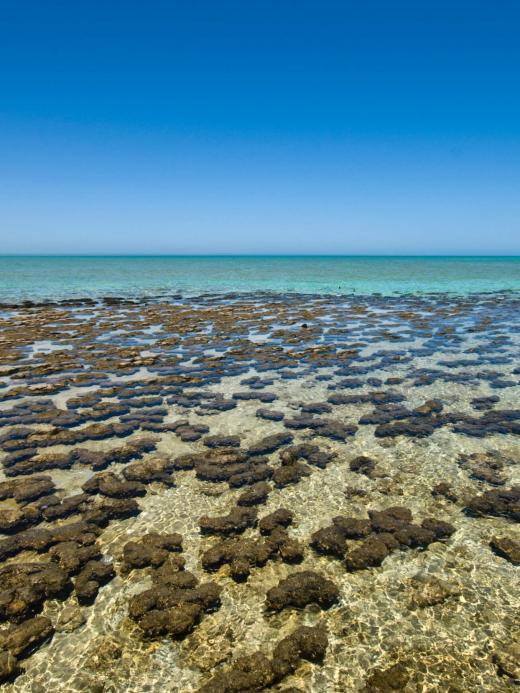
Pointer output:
x,y
37,278
449,349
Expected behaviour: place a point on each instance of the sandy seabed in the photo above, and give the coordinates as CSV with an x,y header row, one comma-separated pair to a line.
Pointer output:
x,y
146,447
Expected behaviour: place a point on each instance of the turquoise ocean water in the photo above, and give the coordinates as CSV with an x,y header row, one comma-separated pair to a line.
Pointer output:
x,y
38,278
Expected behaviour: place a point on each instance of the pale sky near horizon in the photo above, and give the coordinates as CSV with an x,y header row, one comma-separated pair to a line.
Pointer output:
x,y
273,127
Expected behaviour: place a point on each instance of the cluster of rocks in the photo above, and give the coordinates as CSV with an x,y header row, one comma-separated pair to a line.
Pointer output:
x,y
40,539
257,672
188,432
176,601
500,502
393,419
505,421
249,467
27,460
109,484
326,428
62,436
76,564
152,550
224,464
174,604
381,533
378,398
292,469
444,490
485,466
19,641
74,553
243,554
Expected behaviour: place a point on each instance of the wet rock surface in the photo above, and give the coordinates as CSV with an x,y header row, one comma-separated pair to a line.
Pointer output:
x,y
26,586
507,548
507,660
8,666
426,591
394,678
174,605
92,576
244,554
235,522
19,640
300,589
150,550
257,672
502,503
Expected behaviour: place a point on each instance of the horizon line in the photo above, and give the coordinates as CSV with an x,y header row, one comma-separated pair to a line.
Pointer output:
x,y
259,255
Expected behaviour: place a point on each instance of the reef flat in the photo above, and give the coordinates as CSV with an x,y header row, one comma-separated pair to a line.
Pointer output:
x,y
251,492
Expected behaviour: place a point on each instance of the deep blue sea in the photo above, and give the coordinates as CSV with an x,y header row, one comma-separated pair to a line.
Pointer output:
x,y
38,278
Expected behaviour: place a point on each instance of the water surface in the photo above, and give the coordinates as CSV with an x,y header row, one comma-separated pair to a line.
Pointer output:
x,y
38,278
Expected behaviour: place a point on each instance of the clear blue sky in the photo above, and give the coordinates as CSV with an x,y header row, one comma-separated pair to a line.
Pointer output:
x,y
260,127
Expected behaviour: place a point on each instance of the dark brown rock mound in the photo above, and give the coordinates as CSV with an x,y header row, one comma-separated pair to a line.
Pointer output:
x,y
269,414
330,541
89,581
218,441
235,522
151,550
174,607
290,474
20,640
256,672
150,470
27,489
112,509
394,678
352,527
270,443
498,502
363,465
71,556
371,553
108,484
304,643
255,494
280,518
25,586
507,548
300,589
391,519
